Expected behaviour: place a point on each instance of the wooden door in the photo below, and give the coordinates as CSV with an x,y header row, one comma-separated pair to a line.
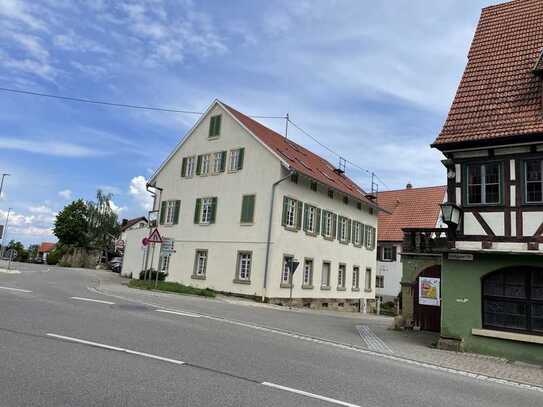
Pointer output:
x,y
428,317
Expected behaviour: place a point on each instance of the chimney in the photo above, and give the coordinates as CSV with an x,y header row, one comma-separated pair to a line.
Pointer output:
x,y
124,222
408,186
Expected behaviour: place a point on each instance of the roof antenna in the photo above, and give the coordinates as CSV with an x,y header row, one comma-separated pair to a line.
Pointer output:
x,y
286,125
342,166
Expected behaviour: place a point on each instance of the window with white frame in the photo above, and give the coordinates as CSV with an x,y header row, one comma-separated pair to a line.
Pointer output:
x,y
170,212
308,272
292,215
190,167
206,211
388,253
341,275
285,272
217,162
533,181
204,170
370,237
343,229
484,183
328,224
244,266
164,263
357,233
236,160
379,281
311,219
356,277
200,263
325,282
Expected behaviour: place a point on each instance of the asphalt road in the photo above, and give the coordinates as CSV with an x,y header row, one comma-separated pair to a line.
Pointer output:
x,y
57,348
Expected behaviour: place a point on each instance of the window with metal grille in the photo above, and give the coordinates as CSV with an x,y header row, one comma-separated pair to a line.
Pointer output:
x,y
513,300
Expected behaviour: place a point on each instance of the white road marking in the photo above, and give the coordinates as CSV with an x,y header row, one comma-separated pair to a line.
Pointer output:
x,y
307,394
372,341
184,314
16,289
115,348
9,271
353,348
92,300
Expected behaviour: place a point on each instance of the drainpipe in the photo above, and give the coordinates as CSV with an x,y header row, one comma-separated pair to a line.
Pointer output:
x,y
268,240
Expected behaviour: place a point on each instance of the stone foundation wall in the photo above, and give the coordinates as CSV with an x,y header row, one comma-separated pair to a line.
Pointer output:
x,y
335,304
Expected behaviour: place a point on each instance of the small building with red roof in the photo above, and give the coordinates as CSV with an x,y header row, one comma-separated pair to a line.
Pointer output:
x,y
44,249
405,208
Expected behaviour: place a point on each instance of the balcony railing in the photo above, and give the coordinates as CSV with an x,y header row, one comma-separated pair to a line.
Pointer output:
x,y
424,240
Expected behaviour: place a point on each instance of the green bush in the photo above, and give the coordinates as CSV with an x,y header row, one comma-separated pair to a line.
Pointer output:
x,y
171,287
54,256
151,275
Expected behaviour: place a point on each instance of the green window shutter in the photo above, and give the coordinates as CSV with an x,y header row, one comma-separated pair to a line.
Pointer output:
x,y
213,209
212,122
349,223
334,225
197,210
247,209
306,207
217,130
240,160
163,212
223,161
183,166
394,253
176,212
324,215
299,215
374,237
318,225
199,165
284,217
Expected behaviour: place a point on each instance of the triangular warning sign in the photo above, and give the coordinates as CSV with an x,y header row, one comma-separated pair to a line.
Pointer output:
x,y
154,237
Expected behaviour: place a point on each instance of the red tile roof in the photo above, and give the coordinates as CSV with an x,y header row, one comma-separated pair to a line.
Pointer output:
x,y
412,207
301,159
46,247
499,96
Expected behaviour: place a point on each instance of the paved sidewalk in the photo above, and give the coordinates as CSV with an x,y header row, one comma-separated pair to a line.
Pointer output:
x,y
340,327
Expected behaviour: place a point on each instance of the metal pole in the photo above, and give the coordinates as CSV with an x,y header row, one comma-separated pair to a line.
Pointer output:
x,y
10,257
2,183
5,232
290,300
152,260
156,275
286,126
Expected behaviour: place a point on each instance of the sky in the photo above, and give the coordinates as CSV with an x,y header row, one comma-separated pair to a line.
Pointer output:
x,y
371,80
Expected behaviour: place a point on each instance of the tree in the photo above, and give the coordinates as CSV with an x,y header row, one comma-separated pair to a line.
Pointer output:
x,y
103,227
22,254
71,225
33,251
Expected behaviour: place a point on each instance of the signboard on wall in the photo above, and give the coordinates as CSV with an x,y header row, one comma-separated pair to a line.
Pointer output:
x,y
429,291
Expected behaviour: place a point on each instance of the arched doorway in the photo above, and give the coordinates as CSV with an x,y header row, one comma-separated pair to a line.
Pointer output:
x,y
427,299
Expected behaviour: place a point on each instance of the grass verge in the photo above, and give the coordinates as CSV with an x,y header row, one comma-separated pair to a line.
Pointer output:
x,y
171,287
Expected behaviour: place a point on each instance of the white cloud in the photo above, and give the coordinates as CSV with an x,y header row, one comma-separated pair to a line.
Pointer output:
x,y
117,209
16,10
48,147
66,194
138,191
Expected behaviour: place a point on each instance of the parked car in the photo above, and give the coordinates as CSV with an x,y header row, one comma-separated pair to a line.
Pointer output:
x,y
116,264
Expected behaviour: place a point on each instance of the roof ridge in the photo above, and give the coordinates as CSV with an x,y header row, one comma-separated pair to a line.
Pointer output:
x,y
411,189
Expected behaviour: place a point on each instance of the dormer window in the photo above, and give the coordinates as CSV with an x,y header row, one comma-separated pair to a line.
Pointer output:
x,y
484,184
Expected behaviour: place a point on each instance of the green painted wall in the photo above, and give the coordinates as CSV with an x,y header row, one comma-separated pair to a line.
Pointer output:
x,y
461,305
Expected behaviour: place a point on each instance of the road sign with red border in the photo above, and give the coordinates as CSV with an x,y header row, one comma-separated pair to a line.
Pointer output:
x,y
154,237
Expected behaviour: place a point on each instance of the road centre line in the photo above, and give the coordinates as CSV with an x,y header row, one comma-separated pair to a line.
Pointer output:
x,y
354,348
15,289
179,362
92,300
184,314
115,348
307,394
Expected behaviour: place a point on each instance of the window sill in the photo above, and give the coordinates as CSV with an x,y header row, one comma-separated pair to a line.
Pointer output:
x,y
345,242
325,288
355,289
285,285
307,286
341,289
213,138
366,290
291,228
246,223
512,336
312,234
330,238
246,282
195,277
